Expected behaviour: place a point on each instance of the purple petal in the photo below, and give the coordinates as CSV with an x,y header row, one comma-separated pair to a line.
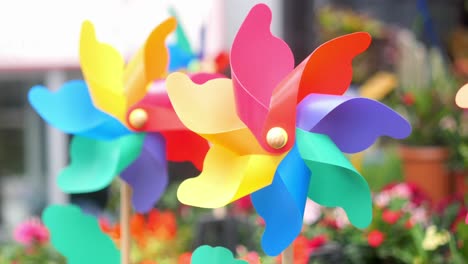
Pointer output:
x,y
352,123
148,174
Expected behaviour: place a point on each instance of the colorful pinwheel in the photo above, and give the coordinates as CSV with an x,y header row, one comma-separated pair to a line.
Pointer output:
x,y
96,113
278,132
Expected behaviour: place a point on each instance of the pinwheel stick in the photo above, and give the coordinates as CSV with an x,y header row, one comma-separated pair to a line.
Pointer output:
x,y
125,211
287,257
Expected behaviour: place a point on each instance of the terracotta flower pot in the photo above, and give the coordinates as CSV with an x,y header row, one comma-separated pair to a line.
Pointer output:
x,y
426,167
460,182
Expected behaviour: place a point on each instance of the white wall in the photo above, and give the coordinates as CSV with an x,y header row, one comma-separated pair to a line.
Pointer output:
x,y
45,33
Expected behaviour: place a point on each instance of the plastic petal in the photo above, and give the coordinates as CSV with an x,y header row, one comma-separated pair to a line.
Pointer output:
x,y
94,163
148,175
185,145
209,110
114,87
282,203
78,237
334,181
352,123
329,68
259,61
226,177
214,255
462,97
71,110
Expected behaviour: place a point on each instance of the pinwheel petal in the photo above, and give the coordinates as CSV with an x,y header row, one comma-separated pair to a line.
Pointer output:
x,y
329,68
214,255
186,146
205,109
160,113
352,123
334,181
71,110
259,61
227,177
462,97
209,110
282,203
154,57
102,68
95,163
78,237
147,175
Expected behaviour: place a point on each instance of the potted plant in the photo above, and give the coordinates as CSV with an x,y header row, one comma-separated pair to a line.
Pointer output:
x,y
426,97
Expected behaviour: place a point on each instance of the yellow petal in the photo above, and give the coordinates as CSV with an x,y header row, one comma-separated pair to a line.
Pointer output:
x,y
205,109
227,177
114,87
462,97
209,109
149,64
102,68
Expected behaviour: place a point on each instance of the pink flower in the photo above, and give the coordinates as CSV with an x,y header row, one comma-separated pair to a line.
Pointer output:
x,y
31,232
401,190
375,238
466,219
391,217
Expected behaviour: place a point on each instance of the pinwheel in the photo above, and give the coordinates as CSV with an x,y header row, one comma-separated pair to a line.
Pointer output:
x,y
98,114
278,132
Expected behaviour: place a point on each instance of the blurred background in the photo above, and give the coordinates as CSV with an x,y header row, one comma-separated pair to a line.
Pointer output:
x,y
414,43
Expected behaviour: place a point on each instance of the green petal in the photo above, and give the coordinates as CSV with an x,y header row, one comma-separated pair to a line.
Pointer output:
x,y
217,255
334,181
78,237
95,163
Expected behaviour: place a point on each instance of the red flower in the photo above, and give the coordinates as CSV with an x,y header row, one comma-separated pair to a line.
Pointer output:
x,y
317,242
185,258
391,217
375,238
408,99
409,224
244,204
222,61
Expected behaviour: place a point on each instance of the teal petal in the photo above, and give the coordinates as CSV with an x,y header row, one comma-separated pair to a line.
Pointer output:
x,y
217,255
95,163
334,181
78,237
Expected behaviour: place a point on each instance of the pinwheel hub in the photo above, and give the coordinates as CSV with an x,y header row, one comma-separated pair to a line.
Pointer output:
x,y
138,118
277,137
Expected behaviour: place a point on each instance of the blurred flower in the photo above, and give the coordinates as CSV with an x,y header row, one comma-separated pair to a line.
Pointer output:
x,y
244,204
31,232
312,212
391,217
317,242
185,258
341,217
408,99
433,239
401,190
163,225
382,199
375,238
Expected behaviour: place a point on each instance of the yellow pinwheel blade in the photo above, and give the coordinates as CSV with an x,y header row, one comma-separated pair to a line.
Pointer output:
x,y
209,109
102,68
227,177
150,63
114,87
462,97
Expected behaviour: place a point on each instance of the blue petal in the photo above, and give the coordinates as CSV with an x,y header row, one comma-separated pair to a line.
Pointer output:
x,y
71,110
352,123
282,203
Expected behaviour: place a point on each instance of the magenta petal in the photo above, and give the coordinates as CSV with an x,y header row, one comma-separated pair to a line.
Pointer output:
x,y
259,62
147,175
352,123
